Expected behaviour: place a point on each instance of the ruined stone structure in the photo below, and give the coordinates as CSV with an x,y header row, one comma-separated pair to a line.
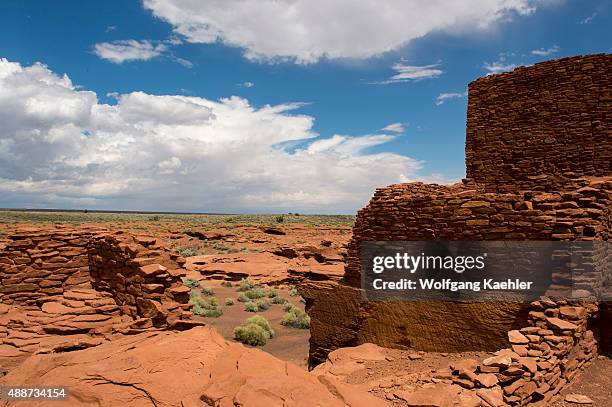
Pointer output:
x,y
539,167
74,287
139,273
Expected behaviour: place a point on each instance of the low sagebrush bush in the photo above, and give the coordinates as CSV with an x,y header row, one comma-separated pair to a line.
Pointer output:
x,y
196,299
279,300
294,292
251,334
190,282
296,318
288,306
255,293
246,284
262,322
226,284
229,301
213,313
243,298
254,331
207,291
272,292
263,305
251,307
188,252
204,308
198,309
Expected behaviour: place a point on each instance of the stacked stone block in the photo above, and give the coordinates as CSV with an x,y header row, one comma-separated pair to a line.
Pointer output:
x,y
43,267
38,264
143,275
543,358
539,167
581,211
536,127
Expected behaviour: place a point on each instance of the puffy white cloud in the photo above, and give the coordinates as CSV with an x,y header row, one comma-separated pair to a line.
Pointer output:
x,y
544,52
129,50
443,97
61,147
307,30
394,127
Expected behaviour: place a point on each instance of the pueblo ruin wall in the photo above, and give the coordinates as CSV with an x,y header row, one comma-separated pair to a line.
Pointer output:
x,y
539,167
537,127
70,287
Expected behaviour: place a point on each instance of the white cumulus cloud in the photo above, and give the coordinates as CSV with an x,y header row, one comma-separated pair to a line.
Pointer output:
x,y
307,30
60,146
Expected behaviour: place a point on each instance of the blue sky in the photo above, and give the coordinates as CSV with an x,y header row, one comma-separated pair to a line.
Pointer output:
x,y
340,78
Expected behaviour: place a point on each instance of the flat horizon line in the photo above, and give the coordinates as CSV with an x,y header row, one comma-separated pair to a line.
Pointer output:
x,y
51,210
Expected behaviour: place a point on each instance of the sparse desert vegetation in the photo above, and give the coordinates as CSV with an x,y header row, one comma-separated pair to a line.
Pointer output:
x,y
191,283
207,291
204,307
255,331
296,318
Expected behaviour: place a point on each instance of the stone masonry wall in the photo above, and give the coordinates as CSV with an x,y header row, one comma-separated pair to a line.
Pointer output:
x,y
580,211
536,126
539,167
543,358
39,265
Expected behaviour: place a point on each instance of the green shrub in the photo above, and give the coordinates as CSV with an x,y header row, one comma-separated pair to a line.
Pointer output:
x,y
254,331
246,284
262,322
208,291
251,307
196,299
213,313
251,334
263,305
272,292
229,301
202,307
243,298
188,252
190,282
287,307
226,284
280,219
198,310
296,318
256,293
294,292
279,300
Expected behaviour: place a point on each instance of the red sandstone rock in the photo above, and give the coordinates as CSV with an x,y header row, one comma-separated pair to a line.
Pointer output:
x,y
502,361
493,397
578,399
517,338
170,369
560,324
440,395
